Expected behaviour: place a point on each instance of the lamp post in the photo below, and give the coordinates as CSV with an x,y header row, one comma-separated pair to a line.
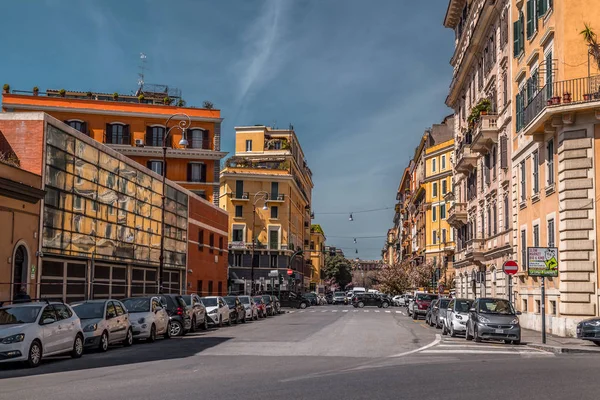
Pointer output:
x,y
182,125
258,196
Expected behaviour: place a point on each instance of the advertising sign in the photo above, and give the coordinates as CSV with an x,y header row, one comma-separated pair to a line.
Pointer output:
x,y
542,261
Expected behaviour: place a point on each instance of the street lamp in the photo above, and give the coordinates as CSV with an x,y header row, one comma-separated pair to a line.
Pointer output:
x,y
182,125
258,196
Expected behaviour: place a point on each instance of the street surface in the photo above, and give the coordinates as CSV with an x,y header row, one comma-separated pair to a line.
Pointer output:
x,y
319,353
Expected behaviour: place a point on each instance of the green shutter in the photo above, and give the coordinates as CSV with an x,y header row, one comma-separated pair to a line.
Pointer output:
x,y
542,7
530,18
516,38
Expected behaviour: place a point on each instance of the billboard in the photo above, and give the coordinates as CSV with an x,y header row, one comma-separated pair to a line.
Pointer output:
x,y
542,261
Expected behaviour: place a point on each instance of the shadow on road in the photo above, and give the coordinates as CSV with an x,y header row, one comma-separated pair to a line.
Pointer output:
x,y
140,352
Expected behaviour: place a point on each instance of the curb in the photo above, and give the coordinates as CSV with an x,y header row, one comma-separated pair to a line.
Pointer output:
x,y
563,350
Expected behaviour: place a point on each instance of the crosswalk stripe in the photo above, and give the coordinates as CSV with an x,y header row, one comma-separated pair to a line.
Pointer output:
x,y
313,311
398,312
376,310
469,352
365,310
345,311
334,310
355,311
301,311
291,312
387,312
324,311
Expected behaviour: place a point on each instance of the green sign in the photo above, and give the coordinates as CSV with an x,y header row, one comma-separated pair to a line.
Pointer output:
x,y
542,261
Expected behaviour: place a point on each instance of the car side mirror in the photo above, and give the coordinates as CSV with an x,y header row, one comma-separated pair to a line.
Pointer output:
x,y
519,313
157,310
48,321
472,310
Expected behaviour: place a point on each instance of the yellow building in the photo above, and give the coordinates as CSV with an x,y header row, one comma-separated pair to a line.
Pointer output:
x,y
317,255
439,242
266,189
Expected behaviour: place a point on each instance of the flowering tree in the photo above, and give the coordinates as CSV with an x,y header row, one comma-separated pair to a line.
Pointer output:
x,y
393,279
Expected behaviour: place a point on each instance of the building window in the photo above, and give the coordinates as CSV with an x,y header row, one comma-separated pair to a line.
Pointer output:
x,y
536,172
117,134
201,239
156,166
274,190
248,145
506,213
493,162
552,307
197,139
442,211
274,212
239,211
434,213
237,260
199,288
155,135
523,190
536,236
444,187
239,189
220,245
537,306
196,172
505,89
79,125
211,242
551,232
274,238
210,288
220,286
550,162
495,218
443,162
524,305
519,35
435,189
237,233
312,245
489,221
433,166
434,237
443,236
532,18
273,263
524,249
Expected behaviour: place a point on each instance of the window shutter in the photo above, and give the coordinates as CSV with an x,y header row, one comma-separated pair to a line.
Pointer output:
x,y
126,138
149,164
84,128
530,18
148,141
516,38
503,152
203,172
108,134
189,172
541,7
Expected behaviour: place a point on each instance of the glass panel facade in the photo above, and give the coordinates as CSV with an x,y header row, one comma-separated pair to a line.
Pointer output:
x,y
97,205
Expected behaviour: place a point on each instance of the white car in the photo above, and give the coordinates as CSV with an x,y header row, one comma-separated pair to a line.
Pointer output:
x,y
250,307
217,310
457,316
32,331
104,322
148,318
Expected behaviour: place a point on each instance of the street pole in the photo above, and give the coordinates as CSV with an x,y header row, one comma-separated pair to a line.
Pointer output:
x,y
510,289
253,247
543,307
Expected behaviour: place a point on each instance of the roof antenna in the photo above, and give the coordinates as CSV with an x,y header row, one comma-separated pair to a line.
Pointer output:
x,y
142,68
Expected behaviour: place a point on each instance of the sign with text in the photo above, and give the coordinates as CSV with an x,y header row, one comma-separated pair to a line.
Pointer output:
x,y
542,261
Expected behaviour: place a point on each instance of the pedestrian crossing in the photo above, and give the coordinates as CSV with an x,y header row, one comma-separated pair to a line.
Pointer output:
x,y
448,346
359,310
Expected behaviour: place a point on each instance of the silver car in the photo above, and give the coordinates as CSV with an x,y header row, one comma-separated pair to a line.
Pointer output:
x,y
250,307
491,318
104,322
457,316
148,318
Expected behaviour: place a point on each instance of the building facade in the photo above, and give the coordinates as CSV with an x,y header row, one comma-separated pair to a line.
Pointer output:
x,y
317,255
482,210
136,129
266,188
101,224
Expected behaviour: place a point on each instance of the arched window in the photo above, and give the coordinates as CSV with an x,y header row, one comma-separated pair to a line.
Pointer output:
x,y
77,124
155,135
20,269
198,139
117,133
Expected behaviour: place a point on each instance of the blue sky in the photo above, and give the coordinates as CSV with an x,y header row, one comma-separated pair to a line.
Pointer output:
x,y
360,81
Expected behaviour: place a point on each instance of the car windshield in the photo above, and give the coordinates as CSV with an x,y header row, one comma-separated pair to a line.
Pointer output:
x,y
18,315
495,306
89,310
230,301
426,297
444,303
339,294
137,305
267,299
209,301
257,300
187,299
245,300
463,306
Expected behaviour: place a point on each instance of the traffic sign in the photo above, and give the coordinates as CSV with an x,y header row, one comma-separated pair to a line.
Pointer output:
x,y
510,267
290,272
441,289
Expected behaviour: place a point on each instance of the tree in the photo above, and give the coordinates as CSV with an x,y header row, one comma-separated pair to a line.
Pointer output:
x,y
393,279
420,275
337,270
209,105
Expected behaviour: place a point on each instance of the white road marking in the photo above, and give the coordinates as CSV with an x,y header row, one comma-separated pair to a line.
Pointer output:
x,y
334,311
345,311
387,312
302,311
324,311
376,310
438,338
365,310
313,311
514,352
398,312
291,312
355,311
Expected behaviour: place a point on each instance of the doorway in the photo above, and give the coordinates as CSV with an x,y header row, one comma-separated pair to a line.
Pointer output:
x,y
20,270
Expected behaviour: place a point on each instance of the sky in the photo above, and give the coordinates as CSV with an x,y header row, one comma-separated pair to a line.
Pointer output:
x,y
360,81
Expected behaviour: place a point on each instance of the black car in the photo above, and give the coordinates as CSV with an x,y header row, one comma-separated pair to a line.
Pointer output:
x,y
370,299
237,312
174,304
589,329
269,303
293,300
312,298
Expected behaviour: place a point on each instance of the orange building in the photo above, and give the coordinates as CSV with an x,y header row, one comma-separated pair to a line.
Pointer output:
x,y
135,127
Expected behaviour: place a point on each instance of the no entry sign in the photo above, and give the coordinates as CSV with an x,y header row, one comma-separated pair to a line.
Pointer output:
x,y
290,272
510,267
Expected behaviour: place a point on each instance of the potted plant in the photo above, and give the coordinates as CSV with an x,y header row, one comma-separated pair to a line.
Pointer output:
x,y
115,96
181,103
555,100
587,96
62,92
167,101
566,97
6,88
36,90
89,94
549,102
141,98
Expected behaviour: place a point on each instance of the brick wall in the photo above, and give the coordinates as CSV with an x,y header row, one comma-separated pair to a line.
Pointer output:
x,y
25,139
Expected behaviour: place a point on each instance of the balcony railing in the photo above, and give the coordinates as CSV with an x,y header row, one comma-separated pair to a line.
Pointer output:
x,y
240,195
239,162
157,141
117,139
457,214
574,91
204,144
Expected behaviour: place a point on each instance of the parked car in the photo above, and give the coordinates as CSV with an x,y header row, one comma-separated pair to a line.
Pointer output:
x,y
249,307
329,298
321,299
396,300
589,329
32,331
261,306
237,312
440,314
340,298
420,304
293,300
430,310
104,322
217,309
148,318
406,299
276,304
198,312
312,297
370,299
179,314
457,316
491,318
269,303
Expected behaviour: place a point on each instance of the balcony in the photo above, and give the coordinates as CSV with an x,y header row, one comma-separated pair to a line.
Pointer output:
x,y
275,198
265,165
197,143
474,250
466,160
240,196
485,134
556,98
457,214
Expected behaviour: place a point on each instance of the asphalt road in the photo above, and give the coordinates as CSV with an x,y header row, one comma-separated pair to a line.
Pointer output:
x,y
319,353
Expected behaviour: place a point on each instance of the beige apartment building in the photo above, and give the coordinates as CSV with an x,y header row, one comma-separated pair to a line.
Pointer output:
x,y
480,96
266,188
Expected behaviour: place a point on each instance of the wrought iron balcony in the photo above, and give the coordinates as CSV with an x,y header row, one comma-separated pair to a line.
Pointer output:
x,y
457,214
466,160
485,133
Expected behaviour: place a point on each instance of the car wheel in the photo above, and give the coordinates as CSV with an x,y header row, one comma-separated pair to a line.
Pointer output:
x,y
507,341
35,354
517,342
255,316
476,334
152,336
467,334
167,334
244,320
452,333
361,304
103,346
385,304
193,327
176,328
229,321
220,321
77,351
597,343
129,338
414,315
204,326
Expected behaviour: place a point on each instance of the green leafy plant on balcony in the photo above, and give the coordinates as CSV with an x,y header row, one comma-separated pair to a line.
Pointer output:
x,y
6,88
589,36
115,96
141,98
89,94
36,90
285,144
167,101
62,92
483,107
209,105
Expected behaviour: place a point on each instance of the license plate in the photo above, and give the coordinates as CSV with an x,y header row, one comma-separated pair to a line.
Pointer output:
x,y
499,331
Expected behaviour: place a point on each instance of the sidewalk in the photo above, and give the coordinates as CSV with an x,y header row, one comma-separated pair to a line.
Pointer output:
x,y
557,344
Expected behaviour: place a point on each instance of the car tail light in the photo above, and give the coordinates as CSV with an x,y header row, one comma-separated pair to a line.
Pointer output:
x,y
179,311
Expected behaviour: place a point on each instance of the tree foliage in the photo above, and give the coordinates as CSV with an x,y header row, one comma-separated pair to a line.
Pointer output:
x,y
400,277
589,36
337,271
